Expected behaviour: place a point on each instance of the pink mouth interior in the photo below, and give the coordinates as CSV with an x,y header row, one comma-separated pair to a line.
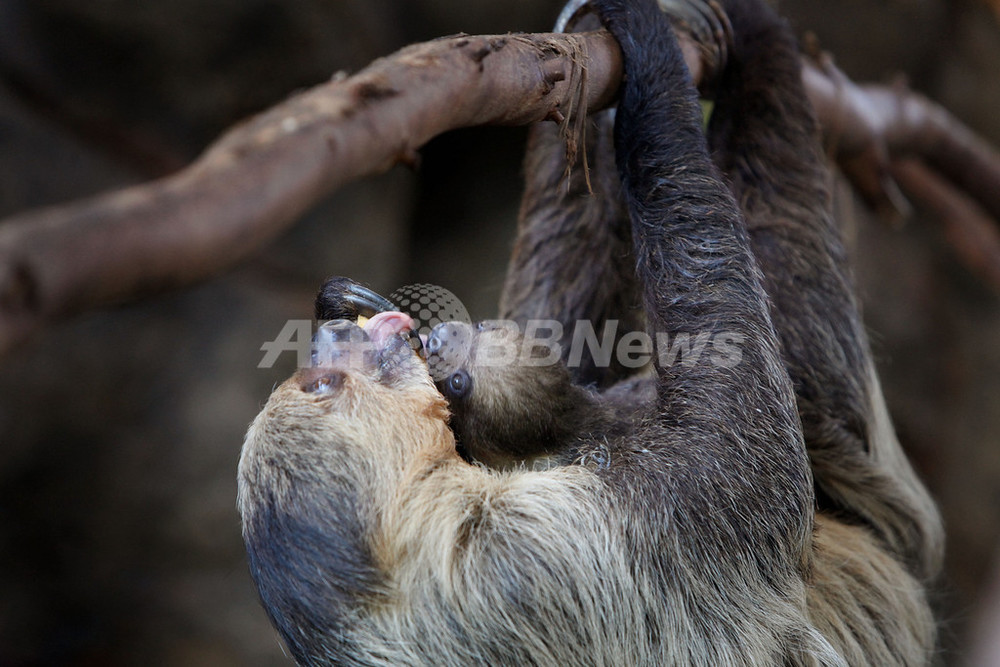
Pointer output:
x,y
385,325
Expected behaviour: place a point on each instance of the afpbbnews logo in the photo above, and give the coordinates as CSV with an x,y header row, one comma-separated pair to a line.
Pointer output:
x,y
632,349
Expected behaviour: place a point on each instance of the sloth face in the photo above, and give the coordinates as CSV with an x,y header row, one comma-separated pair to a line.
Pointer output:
x,y
385,351
367,390
365,375
508,398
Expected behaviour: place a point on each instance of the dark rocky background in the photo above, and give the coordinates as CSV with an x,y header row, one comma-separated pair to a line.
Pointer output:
x,y
120,431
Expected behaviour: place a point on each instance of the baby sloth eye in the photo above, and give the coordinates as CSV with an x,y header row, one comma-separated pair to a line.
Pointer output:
x,y
458,384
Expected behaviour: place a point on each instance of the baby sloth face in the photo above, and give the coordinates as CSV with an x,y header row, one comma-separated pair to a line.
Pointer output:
x,y
511,401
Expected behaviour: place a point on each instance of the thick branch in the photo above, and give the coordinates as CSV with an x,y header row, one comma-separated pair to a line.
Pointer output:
x,y
259,178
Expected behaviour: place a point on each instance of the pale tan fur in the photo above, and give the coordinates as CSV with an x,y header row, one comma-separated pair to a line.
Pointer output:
x,y
448,536
869,607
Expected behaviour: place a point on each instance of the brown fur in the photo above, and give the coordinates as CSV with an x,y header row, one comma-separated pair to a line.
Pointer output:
x,y
692,536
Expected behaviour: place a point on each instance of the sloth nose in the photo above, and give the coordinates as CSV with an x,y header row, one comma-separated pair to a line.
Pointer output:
x,y
448,347
448,338
434,342
341,343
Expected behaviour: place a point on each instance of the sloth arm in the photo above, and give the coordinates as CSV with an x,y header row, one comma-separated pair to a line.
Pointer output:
x,y
572,259
726,438
765,138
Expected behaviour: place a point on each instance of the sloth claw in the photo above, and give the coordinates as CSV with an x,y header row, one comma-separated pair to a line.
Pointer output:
x,y
344,299
367,302
705,20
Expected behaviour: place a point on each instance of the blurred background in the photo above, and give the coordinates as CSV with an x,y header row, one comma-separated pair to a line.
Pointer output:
x,y
120,430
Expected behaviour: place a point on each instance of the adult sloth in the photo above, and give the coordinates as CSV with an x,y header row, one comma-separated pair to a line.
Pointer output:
x,y
689,538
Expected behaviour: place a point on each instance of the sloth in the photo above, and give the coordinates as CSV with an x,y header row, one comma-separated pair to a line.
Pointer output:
x,y
759,512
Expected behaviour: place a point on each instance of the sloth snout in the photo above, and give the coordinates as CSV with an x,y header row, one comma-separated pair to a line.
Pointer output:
x,y
341,343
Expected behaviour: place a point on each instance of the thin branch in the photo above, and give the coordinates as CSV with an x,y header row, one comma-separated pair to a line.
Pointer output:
x,y
889,141
256,180
974,237
868,126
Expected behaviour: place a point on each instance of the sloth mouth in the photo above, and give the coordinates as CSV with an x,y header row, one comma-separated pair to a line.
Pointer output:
x,y
364,336
378,316
384,349
382,327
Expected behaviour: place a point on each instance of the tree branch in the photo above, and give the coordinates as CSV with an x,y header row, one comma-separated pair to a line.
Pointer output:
x,y
256,180
867,127
973,236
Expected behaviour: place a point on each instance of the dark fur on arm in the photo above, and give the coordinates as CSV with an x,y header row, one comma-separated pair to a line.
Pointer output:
x,y
698,274
766,139
572,261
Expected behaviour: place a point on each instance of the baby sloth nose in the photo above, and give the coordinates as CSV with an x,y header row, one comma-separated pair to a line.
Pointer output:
x,y
447,348
448,338
341,343
435,341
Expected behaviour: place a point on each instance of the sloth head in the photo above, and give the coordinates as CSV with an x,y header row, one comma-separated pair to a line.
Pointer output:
x,y
364,412
510,401
366,394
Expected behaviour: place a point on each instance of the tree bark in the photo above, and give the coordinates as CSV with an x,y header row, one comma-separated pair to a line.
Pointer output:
x,y
257,179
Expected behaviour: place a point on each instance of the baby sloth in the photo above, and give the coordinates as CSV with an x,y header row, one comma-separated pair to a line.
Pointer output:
x,y
513,401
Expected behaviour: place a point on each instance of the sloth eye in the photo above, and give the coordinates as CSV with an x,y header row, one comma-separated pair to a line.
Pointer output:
x,y
458,384
325,384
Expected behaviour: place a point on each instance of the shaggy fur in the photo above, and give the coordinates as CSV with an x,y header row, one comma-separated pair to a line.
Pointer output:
x,y
526,410
690,538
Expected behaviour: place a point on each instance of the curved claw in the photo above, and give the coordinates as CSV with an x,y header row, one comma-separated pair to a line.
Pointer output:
x,y
343,299
568,15
708,24
367,302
